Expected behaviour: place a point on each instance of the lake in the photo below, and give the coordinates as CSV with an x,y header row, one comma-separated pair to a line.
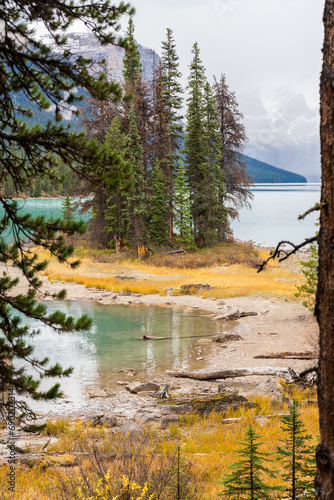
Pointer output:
x,y
115,342
274,214
273,217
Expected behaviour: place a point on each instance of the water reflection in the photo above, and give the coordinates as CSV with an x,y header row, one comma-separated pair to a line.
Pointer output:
x,y
115,342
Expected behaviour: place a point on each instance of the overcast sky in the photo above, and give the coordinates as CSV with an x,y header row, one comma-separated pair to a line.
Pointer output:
x,y
256,43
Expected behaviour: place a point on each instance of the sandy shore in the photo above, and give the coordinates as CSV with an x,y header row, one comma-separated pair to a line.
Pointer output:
x,y
279,326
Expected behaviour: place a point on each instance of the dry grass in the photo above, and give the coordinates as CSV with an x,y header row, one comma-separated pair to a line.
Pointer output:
x,y
208,445
227,268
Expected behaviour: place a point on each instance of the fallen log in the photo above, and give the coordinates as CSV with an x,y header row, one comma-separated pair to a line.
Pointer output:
x,y
288,355
175,251
243,372
150,337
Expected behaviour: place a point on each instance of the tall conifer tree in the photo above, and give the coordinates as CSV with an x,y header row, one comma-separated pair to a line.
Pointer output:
x,y
131,60
194,143
172,97
182,207
136,198
233,138
117,214
158,229
213,188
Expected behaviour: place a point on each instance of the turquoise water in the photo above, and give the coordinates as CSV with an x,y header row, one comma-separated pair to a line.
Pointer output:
x,y
115,342
273,217
274,214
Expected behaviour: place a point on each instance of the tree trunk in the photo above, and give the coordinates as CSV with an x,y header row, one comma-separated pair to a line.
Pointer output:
x,y
118,242
325,294
242,372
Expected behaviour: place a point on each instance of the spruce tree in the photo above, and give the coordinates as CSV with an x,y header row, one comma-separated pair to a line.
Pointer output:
x,y
233,138
214,188
296,456
158,226
182,207
172,97
131,60
194,144
46,76
67,209
117,212
245,481
136,198
308,289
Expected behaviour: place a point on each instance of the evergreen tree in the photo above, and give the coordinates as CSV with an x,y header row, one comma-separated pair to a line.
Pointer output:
x,y
136,198
308,289
67,210
45,76
135,84
233,138
245,481
38,188
131,60
214,188
158,227
296,455
172,97
182,207
194,144
159,144
117,212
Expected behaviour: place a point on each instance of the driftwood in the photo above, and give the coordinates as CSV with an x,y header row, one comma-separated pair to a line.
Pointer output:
x,y
176,251
243,372
164,392
150,337
288,355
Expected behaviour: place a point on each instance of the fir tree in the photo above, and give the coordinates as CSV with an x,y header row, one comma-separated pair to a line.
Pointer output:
x,y
136,198
308,289
158,228
46,76
182,207
131,60
38,188
233,138
245,481
117,212
172,97
67,210
213,188
194,144
296,456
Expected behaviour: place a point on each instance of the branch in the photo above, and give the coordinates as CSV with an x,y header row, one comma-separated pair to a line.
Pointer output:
x,y
317,206
283,254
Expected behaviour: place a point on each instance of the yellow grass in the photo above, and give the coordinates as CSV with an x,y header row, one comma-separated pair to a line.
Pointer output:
x,y
228,280
206,442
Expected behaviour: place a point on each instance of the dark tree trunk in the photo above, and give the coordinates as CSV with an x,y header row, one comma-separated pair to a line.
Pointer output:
x,y
325,295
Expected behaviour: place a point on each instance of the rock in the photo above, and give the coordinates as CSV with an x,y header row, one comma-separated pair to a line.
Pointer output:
x,y
196,286
170,291
204,341
269,388
30,445
137,295
264,312
224,338
134,388
128,371
221,302
36,425
121,382
227,317
221,388
114,297
96,392
198,359
107,420
130,427
125,294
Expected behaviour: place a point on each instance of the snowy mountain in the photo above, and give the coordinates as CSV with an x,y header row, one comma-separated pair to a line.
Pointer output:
x,y
283,130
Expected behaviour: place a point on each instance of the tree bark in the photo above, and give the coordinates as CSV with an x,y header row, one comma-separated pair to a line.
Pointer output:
x,y
324,310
